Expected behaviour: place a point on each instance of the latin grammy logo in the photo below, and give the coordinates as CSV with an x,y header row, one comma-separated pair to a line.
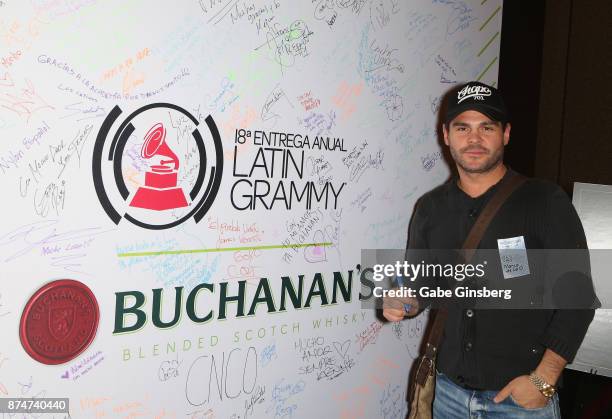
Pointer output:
x,y
160,191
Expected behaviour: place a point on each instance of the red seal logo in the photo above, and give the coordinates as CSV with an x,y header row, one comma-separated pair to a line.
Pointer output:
x,y
59,322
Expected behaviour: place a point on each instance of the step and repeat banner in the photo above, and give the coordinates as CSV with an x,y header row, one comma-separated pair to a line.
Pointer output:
x,y
187,187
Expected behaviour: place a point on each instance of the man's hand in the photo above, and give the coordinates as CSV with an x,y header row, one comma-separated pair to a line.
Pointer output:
x,y
393,308
524,392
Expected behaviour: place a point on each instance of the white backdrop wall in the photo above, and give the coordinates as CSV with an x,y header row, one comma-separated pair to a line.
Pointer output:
x,y
360,78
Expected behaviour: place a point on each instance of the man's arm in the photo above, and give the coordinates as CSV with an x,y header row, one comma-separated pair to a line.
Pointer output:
x,y
550,367
524,392
393,308
563,336
563,230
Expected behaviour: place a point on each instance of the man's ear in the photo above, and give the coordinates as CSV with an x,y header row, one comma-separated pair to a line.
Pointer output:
x,y
507,133
445,134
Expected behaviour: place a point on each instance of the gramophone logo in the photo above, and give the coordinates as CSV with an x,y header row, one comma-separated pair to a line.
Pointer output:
x,y
159,191
160,170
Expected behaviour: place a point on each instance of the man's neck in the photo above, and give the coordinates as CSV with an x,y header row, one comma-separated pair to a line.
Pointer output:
x,y
475,184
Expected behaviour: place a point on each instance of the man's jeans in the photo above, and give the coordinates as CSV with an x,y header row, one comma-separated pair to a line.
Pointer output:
x,y
454,402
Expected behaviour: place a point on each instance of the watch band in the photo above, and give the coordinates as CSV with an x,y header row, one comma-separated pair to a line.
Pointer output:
x,y
546,389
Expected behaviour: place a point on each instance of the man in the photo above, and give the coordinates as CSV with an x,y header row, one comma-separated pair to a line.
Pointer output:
x,y
495,363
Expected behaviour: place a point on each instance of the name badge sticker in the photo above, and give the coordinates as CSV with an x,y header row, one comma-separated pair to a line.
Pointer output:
x,y
513,257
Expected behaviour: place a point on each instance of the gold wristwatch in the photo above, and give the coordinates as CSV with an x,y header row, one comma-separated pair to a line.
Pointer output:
x,y
546,389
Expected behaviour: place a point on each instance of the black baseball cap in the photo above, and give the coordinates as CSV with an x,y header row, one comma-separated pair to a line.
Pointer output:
x,y
476,96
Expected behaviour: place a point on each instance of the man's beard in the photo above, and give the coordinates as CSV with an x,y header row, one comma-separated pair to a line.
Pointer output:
x,y
490,163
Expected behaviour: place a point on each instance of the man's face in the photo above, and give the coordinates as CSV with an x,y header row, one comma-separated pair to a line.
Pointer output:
x,y
476,142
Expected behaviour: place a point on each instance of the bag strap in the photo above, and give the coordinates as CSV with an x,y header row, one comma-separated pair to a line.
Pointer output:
x,y
508,185
488,213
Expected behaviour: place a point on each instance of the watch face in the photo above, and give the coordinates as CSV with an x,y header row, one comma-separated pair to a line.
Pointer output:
x,y
548,391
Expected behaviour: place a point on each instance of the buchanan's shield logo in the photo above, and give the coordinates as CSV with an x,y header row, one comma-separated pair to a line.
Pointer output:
x,y
61,321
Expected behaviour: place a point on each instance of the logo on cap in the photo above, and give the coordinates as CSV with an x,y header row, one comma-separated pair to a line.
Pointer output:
x,y
476,92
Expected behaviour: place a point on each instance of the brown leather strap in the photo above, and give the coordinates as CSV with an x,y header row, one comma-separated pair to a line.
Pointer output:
x,y
474,237
508,185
